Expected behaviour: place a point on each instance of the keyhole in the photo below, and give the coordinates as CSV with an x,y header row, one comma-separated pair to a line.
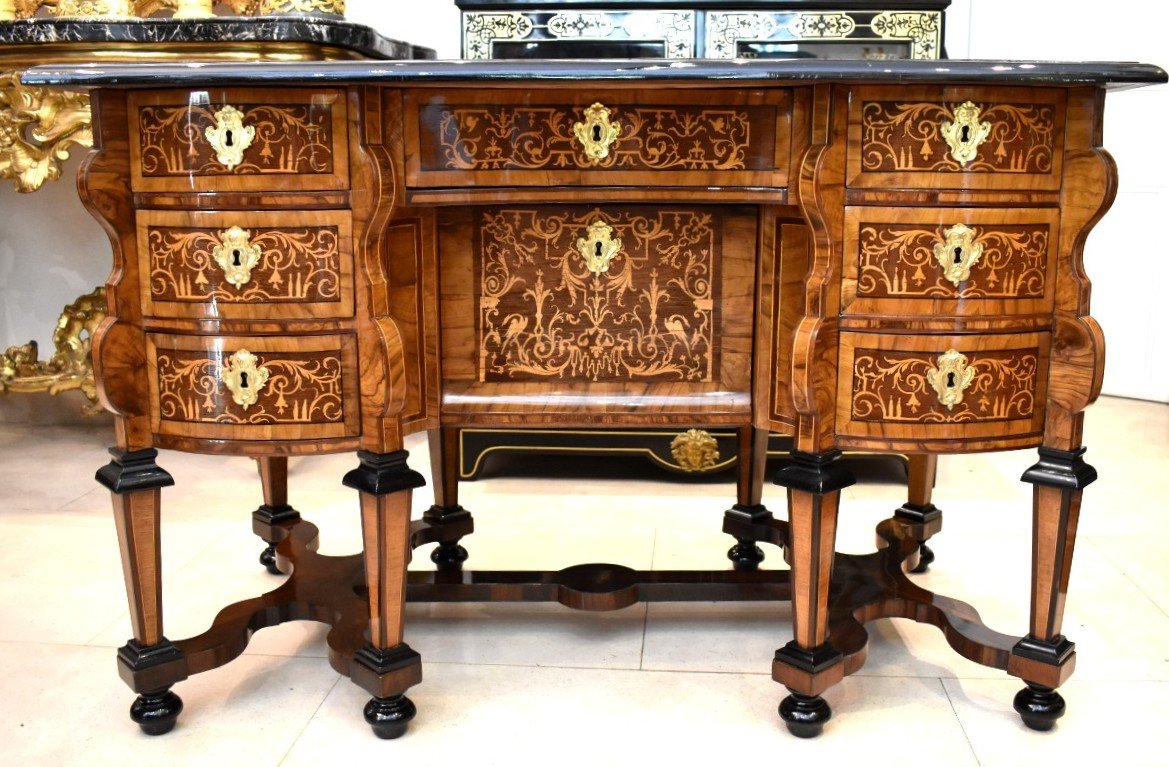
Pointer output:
x,y
598,250
243,380
957,255
950,381
235,253
965,133
596,133
229,139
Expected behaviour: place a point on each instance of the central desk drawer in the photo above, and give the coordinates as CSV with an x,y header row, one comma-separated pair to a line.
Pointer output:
x,y
678,137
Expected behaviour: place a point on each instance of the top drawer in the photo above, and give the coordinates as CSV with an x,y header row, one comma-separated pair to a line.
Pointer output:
x,y
605,138
955,138
238,140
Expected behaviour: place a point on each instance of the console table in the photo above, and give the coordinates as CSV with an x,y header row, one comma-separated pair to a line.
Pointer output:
x,y
319,258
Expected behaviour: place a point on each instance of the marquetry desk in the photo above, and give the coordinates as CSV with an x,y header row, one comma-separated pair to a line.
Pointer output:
x,y
326,258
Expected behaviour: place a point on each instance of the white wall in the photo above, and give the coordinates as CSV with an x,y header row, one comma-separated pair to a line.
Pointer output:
x,y
51,251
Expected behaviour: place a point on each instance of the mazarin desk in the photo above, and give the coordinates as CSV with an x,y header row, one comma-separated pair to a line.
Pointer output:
x,y
327,257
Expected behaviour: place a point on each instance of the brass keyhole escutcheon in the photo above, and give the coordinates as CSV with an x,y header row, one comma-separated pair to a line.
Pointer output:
x,y
236,255
229,137
598,248
966,133
244,377
958,253
950,378
597,132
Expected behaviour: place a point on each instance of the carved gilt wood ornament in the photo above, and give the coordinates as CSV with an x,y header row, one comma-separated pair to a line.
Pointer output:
x,y
951,378
966,133
695,450
236,255
597,133
244,377
958,253
229,137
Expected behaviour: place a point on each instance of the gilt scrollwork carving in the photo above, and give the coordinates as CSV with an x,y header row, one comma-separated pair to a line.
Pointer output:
x,y
958,253
950,378
597,132
966,132
244,377
236,255
598,248
230,137
38,128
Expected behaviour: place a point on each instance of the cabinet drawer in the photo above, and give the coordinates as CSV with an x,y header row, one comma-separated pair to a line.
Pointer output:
x,y
254,388
955,138
649,304
897,389
673,137
246,265
238,140
949,262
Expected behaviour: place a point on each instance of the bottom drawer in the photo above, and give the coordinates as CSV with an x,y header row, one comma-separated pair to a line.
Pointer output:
x,y
254,388
978,392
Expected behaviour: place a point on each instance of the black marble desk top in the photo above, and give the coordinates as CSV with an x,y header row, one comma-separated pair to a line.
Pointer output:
x,y
1114,75
335,33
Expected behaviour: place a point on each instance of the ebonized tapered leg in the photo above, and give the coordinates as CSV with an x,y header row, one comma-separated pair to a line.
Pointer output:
x,y
1044,659
749,510
272,520
386,667
920,518
449,521
808,665
149,663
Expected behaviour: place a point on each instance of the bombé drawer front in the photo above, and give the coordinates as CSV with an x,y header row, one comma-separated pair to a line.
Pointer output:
x,y
977,391
630,300
950,262
679,137
955,138
246,265
238,139
253,387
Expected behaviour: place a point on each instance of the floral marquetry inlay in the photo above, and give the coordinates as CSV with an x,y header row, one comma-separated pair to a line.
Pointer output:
x,y
650,138
910,136
300,388
899,387
901,261
288,139
651,316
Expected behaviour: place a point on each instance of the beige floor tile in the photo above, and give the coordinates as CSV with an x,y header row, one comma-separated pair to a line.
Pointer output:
x,y
1144,560
525,716
38,473
1107,722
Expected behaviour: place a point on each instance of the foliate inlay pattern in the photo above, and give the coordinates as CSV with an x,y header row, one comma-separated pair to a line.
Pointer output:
x,y
907,136
297,265
923,28
543,316
301,388
651,138
289,139
898,261
891,386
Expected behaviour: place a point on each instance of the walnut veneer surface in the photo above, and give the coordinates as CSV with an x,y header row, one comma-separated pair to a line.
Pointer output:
x,y
876,257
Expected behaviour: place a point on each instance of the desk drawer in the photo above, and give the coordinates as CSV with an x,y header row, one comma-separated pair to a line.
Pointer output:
x,y
605,138
248,265
955,138
949,262
254,388
238,140
898,389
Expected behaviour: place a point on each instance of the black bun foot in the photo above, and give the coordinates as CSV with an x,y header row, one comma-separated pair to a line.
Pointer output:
x,y
156,713
449,556
389,717
925,558
1039,706
804,715
746,556
268,560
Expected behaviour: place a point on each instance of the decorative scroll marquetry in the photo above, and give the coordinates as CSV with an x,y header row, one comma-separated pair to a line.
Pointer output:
x,y
907,136
583,25
922,31
480,29
725,30
673,29
289,139
821,25
301,388
900,261
892,386
923,28
544,137
296,265
542,315
38,128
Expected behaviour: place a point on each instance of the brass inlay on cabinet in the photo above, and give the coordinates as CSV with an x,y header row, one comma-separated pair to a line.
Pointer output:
x,y
951,378
966,133
244,377
229,137
597,133
958,254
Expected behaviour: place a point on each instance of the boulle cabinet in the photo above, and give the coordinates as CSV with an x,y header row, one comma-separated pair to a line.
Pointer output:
x,y
327,258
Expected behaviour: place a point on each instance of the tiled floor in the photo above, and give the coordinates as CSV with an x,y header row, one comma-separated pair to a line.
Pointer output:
x,y
525,685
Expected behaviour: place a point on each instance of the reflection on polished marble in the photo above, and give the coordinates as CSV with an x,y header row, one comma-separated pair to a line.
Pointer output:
x,y
518,684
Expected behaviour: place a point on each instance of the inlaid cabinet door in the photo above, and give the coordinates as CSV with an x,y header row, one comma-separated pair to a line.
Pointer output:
x,y
609,137
950,262
238,139
955,138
